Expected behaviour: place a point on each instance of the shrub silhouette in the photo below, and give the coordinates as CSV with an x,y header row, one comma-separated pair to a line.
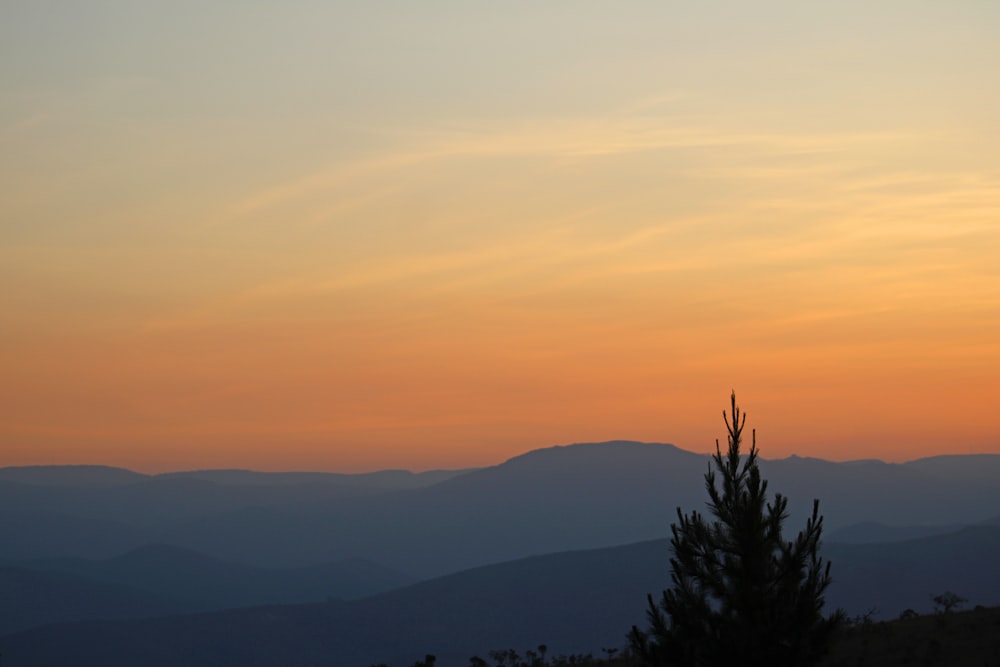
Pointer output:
x,y
537,658
741,594
947,601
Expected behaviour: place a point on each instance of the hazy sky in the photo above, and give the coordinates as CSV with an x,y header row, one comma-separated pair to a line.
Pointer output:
x,y
357,235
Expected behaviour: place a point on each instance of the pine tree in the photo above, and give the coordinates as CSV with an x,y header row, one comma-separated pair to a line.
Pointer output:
x,y
741,594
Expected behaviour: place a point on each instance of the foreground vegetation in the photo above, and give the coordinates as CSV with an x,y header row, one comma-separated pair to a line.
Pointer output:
x,y
952,639
957,639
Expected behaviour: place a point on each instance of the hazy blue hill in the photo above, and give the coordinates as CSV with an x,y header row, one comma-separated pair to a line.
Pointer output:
x,y
571,497
562,498
572,601
71,475
206,583
29,533
347,579
872,531
64,511
289,635
350,484
894,494
146,504
959,466
649,477
895,576
567,600
594,473
29,598
579,601
102,476
162,500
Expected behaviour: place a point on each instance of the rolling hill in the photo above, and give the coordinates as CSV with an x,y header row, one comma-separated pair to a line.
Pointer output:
x,y
556,499
578,601
205,583
29,598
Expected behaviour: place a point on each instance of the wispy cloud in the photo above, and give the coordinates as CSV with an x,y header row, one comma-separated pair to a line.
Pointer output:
x,y
558,141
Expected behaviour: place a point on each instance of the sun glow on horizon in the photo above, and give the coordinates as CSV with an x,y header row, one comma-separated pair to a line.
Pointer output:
x,y
346,239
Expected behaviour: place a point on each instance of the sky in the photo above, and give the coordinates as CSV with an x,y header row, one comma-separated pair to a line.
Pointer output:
x,y
348,236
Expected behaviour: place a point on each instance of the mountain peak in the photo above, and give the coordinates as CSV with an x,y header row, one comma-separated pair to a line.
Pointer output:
x,y
587,450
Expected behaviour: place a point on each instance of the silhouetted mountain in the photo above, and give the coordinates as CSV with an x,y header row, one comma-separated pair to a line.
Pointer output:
x,y
29,598
204,583
895,576
549,500
28,533
573,602
348,484
560,600
97,475
154,502
959,466
74,475
914,493
573,497
871,531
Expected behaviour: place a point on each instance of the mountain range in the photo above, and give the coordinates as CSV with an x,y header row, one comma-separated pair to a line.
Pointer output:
x,y
556,499
579,601
181,580
513,555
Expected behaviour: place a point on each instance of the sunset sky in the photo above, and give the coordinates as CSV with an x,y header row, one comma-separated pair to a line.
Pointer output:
x,y
358,235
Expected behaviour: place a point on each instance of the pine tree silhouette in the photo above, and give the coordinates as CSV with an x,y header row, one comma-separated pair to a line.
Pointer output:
x,y
741,594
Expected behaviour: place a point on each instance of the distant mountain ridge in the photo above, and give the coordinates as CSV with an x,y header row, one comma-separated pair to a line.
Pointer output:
x,y
205,582
578,601
70,475
32,598
517,554
83,475
381,479
78,474
571,497
870,532
160,579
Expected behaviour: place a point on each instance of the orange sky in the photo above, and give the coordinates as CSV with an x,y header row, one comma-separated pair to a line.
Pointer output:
x,y
358,237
